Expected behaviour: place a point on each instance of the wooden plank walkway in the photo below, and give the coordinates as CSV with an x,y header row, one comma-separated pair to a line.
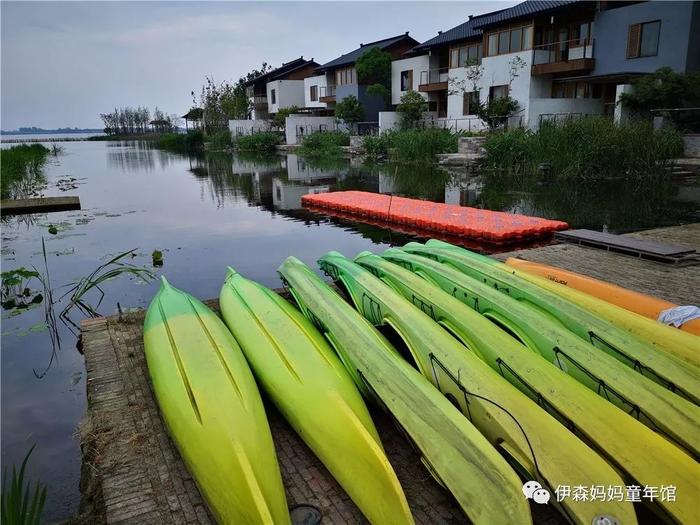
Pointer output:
x,y
135,474
39,205
680,285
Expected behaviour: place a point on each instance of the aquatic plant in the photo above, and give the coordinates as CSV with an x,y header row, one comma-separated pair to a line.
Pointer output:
x,y
219,140
190,142
264,141
20,505
14,289
421,145
591,146
21,168
113,268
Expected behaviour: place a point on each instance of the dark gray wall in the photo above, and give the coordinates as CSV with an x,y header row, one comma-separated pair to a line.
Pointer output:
x,y
693,60
372,104
611,29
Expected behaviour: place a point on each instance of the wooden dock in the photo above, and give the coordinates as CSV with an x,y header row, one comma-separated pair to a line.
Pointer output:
x,y
39,205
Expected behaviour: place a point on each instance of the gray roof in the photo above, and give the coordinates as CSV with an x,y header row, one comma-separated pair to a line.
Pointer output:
x,y
285,69
352,56
525,9
471,29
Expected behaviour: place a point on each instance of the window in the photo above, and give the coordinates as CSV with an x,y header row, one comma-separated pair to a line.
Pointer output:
x,y
510,41
516,38
406,80
313,93
345,76
470,102
643,39
498,92
493,45
575,90
465,55
273,97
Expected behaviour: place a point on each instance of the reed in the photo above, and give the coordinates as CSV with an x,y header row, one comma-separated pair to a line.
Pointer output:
x,y
20,505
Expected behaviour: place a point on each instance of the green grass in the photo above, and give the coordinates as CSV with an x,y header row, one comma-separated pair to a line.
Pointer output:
x,y
585,147
190,142
20,505
21,168
264,141
324,143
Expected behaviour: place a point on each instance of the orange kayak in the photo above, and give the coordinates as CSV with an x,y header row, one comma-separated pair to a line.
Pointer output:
x,y
636,302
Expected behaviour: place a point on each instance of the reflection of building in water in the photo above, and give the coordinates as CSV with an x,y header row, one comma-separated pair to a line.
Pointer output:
x,y
300,169
464,192
387,183
286,196
247,166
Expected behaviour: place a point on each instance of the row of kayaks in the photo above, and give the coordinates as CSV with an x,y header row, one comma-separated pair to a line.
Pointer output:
x,y
495,375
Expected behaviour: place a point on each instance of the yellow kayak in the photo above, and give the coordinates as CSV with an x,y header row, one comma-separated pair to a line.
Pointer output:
x,y
302,375
213,411
639,303
482,483
679,344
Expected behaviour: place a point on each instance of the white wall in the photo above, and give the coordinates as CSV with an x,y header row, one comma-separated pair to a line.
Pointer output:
x,y
496,72
562,106
307,124
319,81
288,93
247,127
416,64
388,120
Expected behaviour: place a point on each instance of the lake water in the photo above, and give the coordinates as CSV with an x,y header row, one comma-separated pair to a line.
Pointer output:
x,y
207,213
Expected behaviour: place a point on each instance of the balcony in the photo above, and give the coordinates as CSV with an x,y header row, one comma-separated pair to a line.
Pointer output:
x,y
259,100
326,94
567,56
433,80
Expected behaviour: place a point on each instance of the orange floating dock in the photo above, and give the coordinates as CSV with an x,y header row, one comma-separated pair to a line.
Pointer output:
x,y
474,223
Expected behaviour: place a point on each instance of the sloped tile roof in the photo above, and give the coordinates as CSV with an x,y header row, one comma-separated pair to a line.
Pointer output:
x,y
352,56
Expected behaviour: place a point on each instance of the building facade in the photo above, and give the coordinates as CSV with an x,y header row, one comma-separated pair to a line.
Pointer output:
x,y
555,58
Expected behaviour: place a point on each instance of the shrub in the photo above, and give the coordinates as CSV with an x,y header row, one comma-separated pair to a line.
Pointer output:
x,y
220,140
584,147
349,110
421,145
265,141
497,110
375,146
189,142
411,109
324,143
279,119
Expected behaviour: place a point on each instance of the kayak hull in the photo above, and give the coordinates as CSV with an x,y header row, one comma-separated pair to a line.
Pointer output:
x,y
639,303
307,382
213,410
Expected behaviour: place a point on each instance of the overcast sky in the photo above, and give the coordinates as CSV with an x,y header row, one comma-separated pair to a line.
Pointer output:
x,y
63,63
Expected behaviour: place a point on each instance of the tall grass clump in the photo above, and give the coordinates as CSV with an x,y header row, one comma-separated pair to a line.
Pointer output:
x,y
264,141
421,145
219,140
375,147
20,164
189,142
20,505
586,147
324,143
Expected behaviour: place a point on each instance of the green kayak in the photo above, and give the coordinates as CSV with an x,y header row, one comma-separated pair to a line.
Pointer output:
x,y
626,443
524,432
458,455
634,352
652,404
213,410
302,375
